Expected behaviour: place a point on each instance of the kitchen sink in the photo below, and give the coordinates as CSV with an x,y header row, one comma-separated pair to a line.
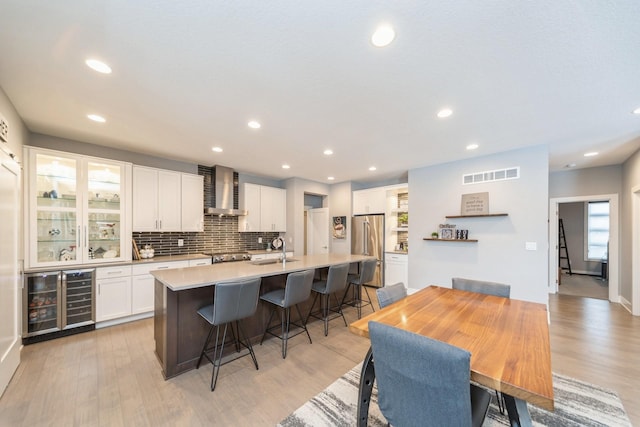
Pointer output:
x,y
270,261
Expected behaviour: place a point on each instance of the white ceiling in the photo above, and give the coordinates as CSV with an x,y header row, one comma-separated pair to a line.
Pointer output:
x,y
189,75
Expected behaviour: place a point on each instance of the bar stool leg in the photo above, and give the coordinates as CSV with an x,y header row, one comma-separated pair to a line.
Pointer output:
x,y
217,355
273,309
204,348
304,324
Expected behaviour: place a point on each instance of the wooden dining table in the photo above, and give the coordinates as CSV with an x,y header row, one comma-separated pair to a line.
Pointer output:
x,y
508,340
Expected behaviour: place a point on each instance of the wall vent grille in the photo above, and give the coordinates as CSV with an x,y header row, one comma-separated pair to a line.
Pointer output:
x,y
4,130
490,176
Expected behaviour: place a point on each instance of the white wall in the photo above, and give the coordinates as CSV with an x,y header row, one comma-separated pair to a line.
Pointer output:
x,y
586,182
340,205
500,253
630,181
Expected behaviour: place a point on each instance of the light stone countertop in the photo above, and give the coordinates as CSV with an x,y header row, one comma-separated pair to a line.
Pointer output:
x,y
163,258
178,279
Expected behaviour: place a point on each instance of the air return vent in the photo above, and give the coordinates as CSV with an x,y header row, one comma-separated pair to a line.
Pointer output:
x,y
4,130
489,176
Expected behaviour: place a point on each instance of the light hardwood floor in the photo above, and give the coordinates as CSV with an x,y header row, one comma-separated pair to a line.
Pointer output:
x,y
110,377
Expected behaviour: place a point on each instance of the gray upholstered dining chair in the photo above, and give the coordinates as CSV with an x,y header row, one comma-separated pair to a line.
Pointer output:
x,y
431,387
488,288
296,290
390,294
232,301
335,283
357,282
481,287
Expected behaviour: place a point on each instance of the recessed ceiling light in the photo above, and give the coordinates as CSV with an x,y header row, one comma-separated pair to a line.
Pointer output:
x,y
383,36
330,178
217,149
637,111
98,66
444,113
254,125
372,168
285,166
328,152
591,154
570,165
472,146
96,118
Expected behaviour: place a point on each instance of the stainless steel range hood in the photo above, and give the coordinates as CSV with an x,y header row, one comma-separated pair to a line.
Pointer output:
x,y
223,194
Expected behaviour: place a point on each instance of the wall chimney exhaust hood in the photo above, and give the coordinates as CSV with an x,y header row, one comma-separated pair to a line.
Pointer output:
x,y
223,194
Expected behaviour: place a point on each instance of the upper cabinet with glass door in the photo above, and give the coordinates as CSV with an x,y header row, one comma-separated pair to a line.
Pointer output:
x,y
78,209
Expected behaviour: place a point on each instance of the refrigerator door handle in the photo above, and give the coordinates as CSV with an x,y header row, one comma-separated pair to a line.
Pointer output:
x,y
62,298
365,237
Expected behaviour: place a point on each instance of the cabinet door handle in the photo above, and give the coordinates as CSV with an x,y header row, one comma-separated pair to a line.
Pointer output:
x,y
86,237
162,268
114,272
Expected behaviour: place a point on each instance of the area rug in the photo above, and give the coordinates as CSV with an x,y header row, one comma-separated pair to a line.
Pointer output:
x,y
576,404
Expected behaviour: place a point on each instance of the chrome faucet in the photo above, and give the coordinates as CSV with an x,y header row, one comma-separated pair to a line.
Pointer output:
x,y
284,249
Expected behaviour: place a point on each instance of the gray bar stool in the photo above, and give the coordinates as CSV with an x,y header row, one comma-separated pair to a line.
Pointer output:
x,y
336,282
357,281
296,290
232,301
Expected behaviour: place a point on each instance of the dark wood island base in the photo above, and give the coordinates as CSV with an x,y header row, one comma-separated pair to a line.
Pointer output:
x,y
179,331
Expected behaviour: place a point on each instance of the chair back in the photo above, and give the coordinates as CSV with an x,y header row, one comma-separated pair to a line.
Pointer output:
x,y
482,287
235,300
390,294
337,278
298,287
431,384
367,270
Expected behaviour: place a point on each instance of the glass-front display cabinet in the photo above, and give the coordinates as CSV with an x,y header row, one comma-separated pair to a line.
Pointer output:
x,y
77,209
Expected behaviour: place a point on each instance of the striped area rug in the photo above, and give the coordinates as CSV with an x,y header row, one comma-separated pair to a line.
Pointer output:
x,y
576,404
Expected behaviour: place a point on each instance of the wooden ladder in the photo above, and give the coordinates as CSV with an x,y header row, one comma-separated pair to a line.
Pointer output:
x,y
563,251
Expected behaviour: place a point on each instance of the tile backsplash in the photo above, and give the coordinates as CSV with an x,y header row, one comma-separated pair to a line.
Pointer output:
x,y
219,235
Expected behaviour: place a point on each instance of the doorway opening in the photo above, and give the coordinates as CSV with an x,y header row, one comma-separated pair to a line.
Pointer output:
x,y
316,225
589,263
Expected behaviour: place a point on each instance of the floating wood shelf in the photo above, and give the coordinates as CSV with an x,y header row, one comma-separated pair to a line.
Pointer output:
x,y
450,240
476,216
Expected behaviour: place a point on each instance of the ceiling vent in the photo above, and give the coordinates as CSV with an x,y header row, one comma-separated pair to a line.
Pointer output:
x,y
4,130
490,176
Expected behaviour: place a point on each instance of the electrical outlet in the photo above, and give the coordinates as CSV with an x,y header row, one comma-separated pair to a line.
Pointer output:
x,y
259,239
180,242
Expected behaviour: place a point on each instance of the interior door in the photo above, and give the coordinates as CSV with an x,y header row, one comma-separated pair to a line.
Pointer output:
x,y
318,231
10,307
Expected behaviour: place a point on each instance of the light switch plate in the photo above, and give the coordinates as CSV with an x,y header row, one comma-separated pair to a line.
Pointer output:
x,y
531,246
4,129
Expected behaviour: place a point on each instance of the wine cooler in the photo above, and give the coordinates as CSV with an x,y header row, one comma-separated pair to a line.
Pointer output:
x,y
58,303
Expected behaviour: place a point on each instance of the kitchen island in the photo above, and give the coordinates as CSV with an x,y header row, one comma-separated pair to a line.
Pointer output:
x,y
178,330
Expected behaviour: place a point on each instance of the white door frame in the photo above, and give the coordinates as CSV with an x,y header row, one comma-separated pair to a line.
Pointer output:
x,y
614,241
635,251
10,274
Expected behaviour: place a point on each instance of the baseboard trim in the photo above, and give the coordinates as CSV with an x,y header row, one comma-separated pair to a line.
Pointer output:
x,y
127,319
626,304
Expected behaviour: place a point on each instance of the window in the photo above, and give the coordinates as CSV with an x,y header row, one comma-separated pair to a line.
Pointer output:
x,y
597,231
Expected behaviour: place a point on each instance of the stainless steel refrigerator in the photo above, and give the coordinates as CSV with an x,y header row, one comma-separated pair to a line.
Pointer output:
x,y
367,238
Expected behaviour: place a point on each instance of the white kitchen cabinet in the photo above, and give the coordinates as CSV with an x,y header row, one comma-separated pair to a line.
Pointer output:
x,y
78,209
273,209
113,297
192,215
156,199
167,200
198,262
369,201
396,269
266,208
142,283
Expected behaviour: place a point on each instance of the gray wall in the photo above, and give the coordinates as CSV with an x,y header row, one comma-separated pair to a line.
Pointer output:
x,y
573,215
630,180
499,255
586,182
296,190
71,146
18,137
